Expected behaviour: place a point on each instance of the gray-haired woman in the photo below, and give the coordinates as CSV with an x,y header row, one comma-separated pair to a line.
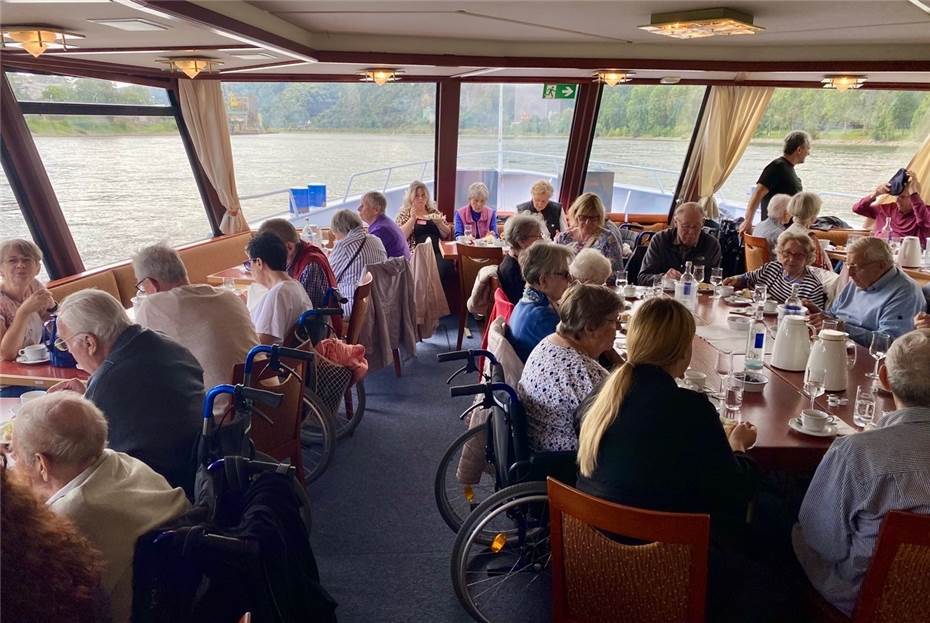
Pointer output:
x,y
353,252
520,231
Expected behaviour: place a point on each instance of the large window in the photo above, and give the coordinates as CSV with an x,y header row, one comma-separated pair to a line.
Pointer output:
x,y
12,223
640,143
859,139
510,136
122,181
351,137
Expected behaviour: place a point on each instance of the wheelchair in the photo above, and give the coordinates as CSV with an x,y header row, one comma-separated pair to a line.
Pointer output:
x,y
501,551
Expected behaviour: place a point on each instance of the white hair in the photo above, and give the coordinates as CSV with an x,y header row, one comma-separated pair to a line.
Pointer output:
x,y
521,226
590,266
478,191
691,205
793,235
907,362
64,426
804,207
778,205
161,263
95,312
378,200
345,221
871,249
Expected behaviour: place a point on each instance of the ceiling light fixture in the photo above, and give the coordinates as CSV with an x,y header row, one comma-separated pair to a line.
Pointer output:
x,y
36,39
701,23
131,24
380,75
843,83
670,80
613,77
191,66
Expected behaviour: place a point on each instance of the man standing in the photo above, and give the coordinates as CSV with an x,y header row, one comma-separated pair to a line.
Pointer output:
x,y
685,242
778,177
372,209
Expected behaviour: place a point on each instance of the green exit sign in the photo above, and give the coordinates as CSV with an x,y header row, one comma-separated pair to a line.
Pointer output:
x,y
559,91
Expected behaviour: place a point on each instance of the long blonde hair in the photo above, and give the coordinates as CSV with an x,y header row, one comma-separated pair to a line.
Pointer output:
x,y
411,191
660,334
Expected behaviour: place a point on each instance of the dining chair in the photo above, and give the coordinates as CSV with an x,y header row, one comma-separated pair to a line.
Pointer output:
x,y
472,259
662,578
757,251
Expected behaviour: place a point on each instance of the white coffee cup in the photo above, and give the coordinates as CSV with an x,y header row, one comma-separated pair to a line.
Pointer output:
x,y
696,379
726,291
629,291
35,352
771,306
27,396
814,420
824,243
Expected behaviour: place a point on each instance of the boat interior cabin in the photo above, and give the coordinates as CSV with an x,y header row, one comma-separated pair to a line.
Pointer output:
x,y
237,227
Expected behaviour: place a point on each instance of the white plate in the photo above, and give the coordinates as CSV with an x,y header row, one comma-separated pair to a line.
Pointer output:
x,y
737,301
795,425
33,362
756,383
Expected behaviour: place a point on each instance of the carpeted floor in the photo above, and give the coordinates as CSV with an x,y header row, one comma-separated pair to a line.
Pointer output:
x,y
381,545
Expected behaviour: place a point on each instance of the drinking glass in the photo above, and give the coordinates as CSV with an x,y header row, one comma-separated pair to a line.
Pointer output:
x,y
724,367
716,280
759,294
864,412
698,272
620,279
851,353
229,283
830,324
813,383
880,343
734,394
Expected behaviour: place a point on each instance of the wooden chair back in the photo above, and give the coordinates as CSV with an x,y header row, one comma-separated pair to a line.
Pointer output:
x,y
839,237
471,260
359,309
757,251
276,430
896,588
595,578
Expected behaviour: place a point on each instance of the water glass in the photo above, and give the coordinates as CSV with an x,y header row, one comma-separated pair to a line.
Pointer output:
x,y
864,412
879,346
851,353
814,383
760,294
698,272
620,279
830,324
229,283
734,394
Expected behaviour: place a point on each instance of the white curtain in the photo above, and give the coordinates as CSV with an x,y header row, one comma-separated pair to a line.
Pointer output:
x,y
730,119
205,115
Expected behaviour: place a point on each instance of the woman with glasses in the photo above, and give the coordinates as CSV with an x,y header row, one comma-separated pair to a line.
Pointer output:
x,y
796,253
591,230
563,369
545,268
24,302
520,231
277,311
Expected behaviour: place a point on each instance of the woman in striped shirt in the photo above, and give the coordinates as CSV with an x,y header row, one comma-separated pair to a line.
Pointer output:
x,y
795,253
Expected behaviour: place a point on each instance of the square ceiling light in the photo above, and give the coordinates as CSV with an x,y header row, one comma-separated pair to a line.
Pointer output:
x,y
133,24
701,23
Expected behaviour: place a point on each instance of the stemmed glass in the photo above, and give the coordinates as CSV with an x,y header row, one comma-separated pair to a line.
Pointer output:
x,y
716,279
724,367
880,343
813,383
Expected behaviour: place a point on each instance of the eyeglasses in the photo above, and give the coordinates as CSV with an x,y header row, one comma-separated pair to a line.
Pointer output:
x,y
587,218
139,287
62,343
566,275
851,266
16,259
800,255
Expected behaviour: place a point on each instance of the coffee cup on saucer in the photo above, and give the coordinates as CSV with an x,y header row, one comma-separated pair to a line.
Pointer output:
x,y
33,395
629,291
770,306
726,291
814,420
695,379
35,352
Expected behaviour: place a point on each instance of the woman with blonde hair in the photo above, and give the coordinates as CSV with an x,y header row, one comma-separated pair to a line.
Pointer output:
x,y
24,302
590,229
646,442
419,219
804,208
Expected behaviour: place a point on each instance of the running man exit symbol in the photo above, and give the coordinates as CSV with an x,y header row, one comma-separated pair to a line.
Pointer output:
x,y
559,91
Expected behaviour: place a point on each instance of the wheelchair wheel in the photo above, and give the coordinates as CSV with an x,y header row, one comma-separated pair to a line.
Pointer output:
x,y
454,499
508,579
350,411
318,438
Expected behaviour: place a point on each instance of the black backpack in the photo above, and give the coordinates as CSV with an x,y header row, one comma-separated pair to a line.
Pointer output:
x,y
732,254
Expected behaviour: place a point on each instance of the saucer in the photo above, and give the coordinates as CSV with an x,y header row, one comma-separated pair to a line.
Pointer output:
x,y
737,301
32,362
830,431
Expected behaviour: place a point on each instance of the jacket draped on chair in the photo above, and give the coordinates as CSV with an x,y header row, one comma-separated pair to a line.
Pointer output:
x,y
429,297
391,320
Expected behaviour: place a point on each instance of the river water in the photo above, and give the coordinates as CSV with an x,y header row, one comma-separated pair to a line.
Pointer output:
x,y
119,193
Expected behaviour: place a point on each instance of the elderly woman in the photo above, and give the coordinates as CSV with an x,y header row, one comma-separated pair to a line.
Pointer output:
x,y
277,311
149,387
590,229
563,369
907,215
24,303
795,252
804,208
545,268
590,266
520,231
477,219
776,222
550,210
354,250
419,219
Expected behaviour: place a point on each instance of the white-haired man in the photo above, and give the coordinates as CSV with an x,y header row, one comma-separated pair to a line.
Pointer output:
x,y
777,222
863,477
59,445
878,297
686,241
778,177
149,387
214,324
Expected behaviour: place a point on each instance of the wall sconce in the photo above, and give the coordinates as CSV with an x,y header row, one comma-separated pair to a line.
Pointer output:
x,y
613,77
192,66
380,75
36,39
843,83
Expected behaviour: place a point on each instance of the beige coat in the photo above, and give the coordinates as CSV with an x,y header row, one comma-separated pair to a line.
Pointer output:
x,y
391,319
482,295
429,297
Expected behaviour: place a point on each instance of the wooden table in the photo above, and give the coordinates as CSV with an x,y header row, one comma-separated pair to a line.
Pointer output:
x,y
238,274
40,376
920,275
7,406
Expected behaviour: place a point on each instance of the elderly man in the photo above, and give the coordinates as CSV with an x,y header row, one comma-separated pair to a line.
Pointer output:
x,y
59,445
778,177
372,209
305,262
907,215
777,221
149,387
686,241
552,213
878,297
863,477
214,324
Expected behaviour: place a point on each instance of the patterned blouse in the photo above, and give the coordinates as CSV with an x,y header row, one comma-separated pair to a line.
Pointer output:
x,y
34,326
606,242
404,215
554,382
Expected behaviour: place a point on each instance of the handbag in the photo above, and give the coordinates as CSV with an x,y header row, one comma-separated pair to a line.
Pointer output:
x,y
898,182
